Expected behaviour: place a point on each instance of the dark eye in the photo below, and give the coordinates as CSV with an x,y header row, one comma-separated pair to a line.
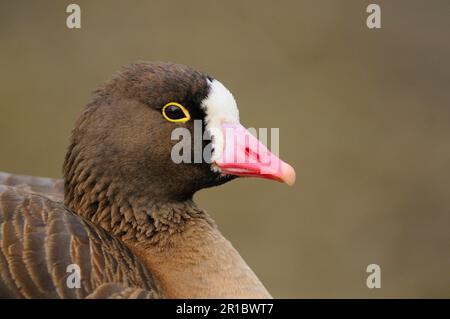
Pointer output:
x,y
175,112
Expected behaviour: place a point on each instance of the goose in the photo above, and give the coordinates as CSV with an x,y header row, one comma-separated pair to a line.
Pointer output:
x,y
123,214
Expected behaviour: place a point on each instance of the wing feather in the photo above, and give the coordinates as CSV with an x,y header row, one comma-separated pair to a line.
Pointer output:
x,y
40,238
49,187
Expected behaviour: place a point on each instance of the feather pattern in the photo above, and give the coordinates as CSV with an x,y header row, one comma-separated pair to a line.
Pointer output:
x,y
40,238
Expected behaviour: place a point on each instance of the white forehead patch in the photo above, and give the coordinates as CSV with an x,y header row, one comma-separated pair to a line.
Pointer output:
x,y
220,108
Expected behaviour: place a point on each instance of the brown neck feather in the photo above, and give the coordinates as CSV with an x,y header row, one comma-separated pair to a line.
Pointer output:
x,y
177,241
100,199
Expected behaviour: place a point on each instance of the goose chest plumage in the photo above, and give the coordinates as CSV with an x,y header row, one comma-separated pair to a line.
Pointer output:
x,y
123,214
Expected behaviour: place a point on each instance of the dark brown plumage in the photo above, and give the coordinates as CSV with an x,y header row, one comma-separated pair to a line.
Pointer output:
x,y
117,167
40,237
124,212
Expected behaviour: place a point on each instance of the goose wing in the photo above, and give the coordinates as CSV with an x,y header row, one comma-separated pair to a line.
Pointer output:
x,y
46,251
49,187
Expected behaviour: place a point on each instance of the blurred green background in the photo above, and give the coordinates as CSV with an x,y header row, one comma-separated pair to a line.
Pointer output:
x,y
364,117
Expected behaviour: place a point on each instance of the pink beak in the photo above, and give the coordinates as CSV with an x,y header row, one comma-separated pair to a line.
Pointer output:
x,y
244,155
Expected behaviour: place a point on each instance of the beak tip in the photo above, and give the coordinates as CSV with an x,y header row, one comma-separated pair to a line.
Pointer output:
x,y
288,176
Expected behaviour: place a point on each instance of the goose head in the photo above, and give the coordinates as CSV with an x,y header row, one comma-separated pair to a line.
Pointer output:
x,y
127,141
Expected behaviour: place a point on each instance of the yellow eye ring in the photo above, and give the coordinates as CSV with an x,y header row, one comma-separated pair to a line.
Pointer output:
x,y
184,119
